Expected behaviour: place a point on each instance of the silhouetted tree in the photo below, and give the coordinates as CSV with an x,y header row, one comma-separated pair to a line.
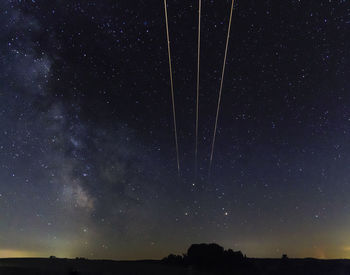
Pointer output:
x,y
205,254
231,256
173,259
210,256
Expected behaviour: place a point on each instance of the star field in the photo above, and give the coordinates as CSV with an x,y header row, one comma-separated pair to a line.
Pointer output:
x,y
87,154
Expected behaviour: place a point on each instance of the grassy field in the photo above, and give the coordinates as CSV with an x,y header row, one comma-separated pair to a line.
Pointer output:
x,y
46,266
41,266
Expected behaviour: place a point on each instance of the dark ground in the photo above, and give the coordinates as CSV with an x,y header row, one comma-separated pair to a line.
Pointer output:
x,y
40,266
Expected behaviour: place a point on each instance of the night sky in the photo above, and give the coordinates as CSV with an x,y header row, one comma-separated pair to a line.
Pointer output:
x,y
87,153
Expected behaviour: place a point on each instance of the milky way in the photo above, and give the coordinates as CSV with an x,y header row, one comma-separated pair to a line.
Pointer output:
x,y
87,154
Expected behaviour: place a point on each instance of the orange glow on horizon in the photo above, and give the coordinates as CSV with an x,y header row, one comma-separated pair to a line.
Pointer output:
x,y
11,253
